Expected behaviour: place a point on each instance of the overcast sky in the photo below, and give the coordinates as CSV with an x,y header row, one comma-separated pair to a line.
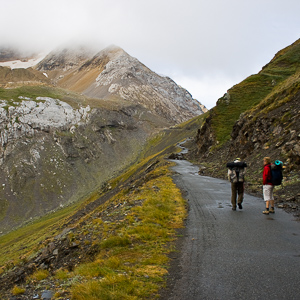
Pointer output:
x,y
205,46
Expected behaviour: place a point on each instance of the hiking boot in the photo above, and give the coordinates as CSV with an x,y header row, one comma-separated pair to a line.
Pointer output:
x,y
272,211
240,205
265,212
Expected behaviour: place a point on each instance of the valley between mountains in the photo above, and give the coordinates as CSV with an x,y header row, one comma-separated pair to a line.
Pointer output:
x,y
89,204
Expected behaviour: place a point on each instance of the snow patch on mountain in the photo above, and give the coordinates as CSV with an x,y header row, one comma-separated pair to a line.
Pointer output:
x,y
24,64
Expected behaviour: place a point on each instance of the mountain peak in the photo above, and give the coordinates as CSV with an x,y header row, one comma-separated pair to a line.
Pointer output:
x,y
112,49
112,74
64,58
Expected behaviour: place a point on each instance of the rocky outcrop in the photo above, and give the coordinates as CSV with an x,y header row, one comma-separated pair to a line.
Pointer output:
x,y
276,131
205,138
26,117
125,77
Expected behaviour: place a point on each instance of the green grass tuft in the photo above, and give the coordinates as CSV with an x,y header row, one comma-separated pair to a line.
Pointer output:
x,y
116,241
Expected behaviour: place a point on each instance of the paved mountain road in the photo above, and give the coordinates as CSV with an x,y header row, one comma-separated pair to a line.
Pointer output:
x,y
229,254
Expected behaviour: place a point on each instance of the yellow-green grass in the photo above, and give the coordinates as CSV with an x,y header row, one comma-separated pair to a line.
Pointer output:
x,y
62,274
242,97
256,101
18,290
23,242
134,258
284,92
31,92
166,140
136,240
40,275
134,247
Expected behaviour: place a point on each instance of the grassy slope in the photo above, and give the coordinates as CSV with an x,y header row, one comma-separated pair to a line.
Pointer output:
x,y
71,98
253,90
167,139
270,97
133,234
133,260
23,242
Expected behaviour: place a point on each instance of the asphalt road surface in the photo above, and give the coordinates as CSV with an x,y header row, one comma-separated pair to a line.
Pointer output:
x,y
227,254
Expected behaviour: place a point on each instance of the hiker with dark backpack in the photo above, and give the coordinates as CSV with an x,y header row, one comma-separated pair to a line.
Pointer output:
x,y
236,175
268,187
272,176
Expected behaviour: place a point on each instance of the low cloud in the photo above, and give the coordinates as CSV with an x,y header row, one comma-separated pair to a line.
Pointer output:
x,y
193,41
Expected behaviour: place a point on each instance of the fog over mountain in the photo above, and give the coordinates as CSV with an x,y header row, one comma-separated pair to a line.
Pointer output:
x,y
205,46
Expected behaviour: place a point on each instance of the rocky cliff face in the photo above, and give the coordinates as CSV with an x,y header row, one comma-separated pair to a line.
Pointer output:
x,y
276,131
53,154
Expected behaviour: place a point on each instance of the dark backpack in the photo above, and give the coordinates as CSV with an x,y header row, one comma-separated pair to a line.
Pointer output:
x,y
240,164
276,173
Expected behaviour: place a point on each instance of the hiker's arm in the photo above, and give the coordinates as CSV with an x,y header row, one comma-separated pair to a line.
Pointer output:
x,y
229,173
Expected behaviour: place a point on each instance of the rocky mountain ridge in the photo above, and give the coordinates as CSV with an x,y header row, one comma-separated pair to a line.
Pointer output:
x,y
114,74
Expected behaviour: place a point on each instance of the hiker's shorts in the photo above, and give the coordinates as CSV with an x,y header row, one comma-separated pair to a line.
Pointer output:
x,y
268,192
